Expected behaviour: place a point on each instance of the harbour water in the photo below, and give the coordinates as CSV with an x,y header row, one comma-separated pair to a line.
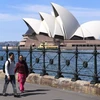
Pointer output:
x,y
67,62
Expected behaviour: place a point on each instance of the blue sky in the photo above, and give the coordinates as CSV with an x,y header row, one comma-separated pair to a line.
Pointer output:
x,y
12,12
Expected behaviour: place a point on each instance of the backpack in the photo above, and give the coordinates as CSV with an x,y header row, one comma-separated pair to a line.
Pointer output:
x,y
7,65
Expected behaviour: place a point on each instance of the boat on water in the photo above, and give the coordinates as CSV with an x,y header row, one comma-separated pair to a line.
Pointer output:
x,y
47,46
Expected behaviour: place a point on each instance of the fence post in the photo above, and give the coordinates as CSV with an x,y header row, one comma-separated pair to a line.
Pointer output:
x,y
59,74
95,78
18,52
43,69
7,52
31,69
76,67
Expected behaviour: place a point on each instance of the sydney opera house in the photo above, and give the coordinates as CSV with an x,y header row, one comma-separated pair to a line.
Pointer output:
x,y
61,26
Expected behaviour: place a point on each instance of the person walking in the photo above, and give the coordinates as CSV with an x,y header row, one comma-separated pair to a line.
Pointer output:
x,y
10,75
22,70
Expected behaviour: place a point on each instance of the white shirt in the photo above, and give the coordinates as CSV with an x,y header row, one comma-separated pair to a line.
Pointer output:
x,y
9,70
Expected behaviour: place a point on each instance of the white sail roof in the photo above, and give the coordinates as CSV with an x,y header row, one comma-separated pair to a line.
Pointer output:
x,y
69,22
34,24
89,29
49,21
43,28
58,31
63,23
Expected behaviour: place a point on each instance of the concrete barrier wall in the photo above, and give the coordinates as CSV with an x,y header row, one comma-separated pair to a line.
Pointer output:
x,y
63,83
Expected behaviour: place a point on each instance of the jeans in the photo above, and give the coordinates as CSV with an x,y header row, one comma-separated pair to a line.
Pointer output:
x,y
13,82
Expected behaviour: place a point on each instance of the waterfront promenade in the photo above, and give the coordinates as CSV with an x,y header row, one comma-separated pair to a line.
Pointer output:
x,y
40,92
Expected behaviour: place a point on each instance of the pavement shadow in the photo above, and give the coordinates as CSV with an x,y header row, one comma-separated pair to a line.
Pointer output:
x,y
10,94
57,99
36,90
31,92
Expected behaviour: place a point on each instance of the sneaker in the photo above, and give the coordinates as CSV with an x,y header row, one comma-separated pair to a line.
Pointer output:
x,y
16,95
4,94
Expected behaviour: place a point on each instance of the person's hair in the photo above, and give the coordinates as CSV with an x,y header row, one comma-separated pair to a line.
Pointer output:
x,y
11,53
20,55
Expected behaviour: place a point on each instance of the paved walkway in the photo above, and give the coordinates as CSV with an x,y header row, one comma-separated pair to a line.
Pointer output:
x,y
39,92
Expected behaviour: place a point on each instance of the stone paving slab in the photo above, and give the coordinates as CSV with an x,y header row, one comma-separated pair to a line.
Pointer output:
x,y
40,92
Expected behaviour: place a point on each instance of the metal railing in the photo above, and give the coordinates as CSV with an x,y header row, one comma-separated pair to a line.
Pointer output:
x,y
75,64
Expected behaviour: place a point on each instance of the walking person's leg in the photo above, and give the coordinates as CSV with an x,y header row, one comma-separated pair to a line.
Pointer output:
x,y
24,80
13,82
5,86
21,86
21,80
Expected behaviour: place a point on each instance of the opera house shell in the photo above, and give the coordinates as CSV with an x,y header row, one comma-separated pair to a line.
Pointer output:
x,y
60,26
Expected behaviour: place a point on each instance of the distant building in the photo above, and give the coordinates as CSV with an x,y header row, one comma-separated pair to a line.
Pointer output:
x,y
61,27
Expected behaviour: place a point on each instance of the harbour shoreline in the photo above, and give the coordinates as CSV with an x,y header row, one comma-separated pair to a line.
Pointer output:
x,y
62,48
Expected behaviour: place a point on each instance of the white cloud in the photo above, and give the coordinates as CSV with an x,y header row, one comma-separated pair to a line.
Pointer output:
x,y
12,17
33,8
7,17
23,11
84,12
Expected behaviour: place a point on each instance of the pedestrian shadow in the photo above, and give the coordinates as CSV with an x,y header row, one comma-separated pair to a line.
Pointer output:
x,y
57,99
0,94
10,94
31,92
36,90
